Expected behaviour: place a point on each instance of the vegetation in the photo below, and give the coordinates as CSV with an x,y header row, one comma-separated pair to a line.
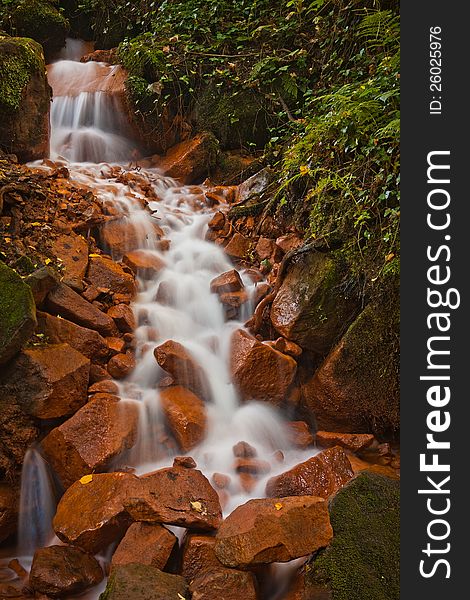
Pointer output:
x,y
42,20
19,60
313,85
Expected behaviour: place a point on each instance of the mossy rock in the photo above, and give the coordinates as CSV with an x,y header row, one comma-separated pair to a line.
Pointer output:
x,y
25,98
17,313
362,561
40,20
314,305
238,119
356,389
142,582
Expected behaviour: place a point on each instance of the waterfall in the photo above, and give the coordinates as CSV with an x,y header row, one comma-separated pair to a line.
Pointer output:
x,y
37,504
90,135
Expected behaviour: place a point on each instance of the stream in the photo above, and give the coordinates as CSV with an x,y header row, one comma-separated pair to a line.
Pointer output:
x,y
89,134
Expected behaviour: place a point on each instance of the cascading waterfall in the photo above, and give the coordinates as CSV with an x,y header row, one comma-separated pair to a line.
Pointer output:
x,y
177,304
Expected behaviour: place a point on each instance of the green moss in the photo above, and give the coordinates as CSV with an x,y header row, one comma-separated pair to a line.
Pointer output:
x,y
20,58
17,313
40,20
238,119
362,561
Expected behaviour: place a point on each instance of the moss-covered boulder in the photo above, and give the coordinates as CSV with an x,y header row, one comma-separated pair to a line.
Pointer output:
x,y
362,561
356,389
17,313
41,20
25,99
143,582
313,306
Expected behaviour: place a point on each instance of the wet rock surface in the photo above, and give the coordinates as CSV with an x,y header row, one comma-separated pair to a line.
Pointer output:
x,y
88,441
174,358
259,371
50,382
322,475
229,584
102,517
273,530
68,304
176,496
146,544
185,414
59,571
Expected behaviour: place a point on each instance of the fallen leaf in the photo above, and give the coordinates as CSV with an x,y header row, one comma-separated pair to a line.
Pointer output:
x,y
278,506
86,479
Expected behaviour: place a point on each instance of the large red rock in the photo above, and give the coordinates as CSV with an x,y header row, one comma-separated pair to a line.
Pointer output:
x,y
227,282
259,371
145,544
144,263
177,496
238,247
59,571
232,302
178,362
299,434
355,442
121,236
72,251
89,440
86,341
106,274
121,365
185,414
321,475
91,513
190,160
199,557
123,317
68,304
228,584
273,530
50,381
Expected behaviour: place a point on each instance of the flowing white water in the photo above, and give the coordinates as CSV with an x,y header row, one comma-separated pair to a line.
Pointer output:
x,y
87,131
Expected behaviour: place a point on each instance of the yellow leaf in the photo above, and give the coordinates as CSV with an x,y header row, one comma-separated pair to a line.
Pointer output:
x,y
197,506
47,261
278,506
389,256
86,479
303,169
36,224
94,255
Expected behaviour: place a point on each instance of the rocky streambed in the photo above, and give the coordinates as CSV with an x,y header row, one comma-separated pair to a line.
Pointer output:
x,y
195,390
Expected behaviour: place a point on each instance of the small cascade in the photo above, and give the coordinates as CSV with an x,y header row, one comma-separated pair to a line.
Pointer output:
x,y
87,123
37,504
